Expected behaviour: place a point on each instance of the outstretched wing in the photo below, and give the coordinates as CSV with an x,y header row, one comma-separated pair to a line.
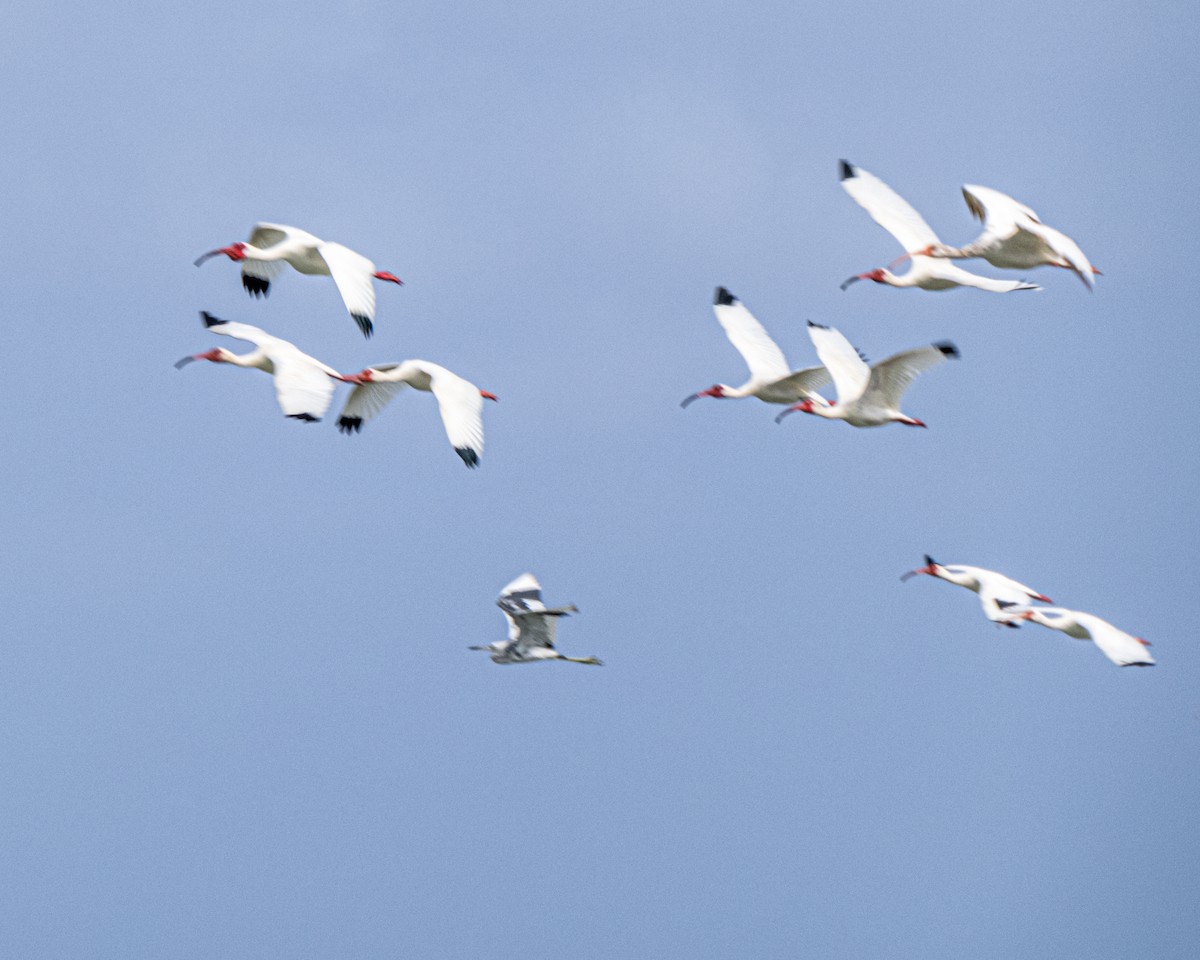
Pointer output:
x,y
264,235
366,400
461,405
1120,647
887,208
352,273
761,353
849,371
522,595
891,377
239,331
802,383
303,389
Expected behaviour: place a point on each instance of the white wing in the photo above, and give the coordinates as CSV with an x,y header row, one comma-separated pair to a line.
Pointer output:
x,y
891,377
887,208
800,384
523,594
263,235
303,388
762,355
995,589
1066,248
1006,219
534,630
461,406
352,273
366,400
302,384
239,331
1121,648
849,371
956,276
999,213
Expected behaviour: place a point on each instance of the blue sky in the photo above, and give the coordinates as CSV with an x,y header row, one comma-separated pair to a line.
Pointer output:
x,y
238,716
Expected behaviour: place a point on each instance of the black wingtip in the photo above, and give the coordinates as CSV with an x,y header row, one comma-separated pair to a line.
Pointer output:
x,y
304,417
364,324
949,349
349,425
1005,604
818,326
469,456
929,561
210,320
256,286
845,169
723,298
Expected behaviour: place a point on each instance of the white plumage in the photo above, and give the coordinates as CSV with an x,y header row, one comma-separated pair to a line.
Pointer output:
x,y
460,402
531,626
273,244
868,396
771,380
303,384
1123,649
996,591
1014,238
892,212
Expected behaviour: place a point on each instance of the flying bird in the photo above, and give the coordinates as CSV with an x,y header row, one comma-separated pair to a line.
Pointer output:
x,y
1013,238
868,396
460,402
303,385
771,380
995,590
272,244
531,626
1123,649
892,212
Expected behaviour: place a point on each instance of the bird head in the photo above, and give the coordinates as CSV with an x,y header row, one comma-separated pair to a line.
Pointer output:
x,y
930,568
879,276
489,396
716,390
389,277
216,355
235,251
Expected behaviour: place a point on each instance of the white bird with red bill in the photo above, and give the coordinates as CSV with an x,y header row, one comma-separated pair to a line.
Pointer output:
x,y
771,379
271,245
1123,649
868,396
303,384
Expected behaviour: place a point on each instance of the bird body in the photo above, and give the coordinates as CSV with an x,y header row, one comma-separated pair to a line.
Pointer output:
x,y
1123,649
303,384
868,396
771,380
531,626
1013,237
892,212
460,402
273,244
996,591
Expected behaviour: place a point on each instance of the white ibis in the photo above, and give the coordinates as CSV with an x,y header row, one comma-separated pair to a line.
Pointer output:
x,y
531,626
994,588
1123,649
1014,238
868,396
303,385
771,380
892,212
272,244
460,402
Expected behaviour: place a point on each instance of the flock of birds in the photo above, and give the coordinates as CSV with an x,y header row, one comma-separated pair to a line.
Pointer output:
x,y
868,395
